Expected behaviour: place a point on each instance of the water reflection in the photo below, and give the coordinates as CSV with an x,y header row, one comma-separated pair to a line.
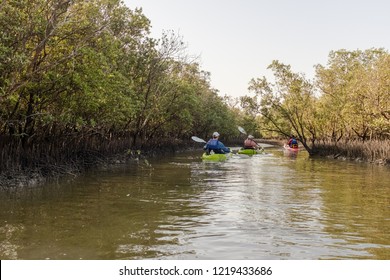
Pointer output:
x,y
267,206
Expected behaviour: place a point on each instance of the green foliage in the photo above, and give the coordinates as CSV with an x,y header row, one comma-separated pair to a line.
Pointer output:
x,y
287,106
355,94
87,74
78,75
348,100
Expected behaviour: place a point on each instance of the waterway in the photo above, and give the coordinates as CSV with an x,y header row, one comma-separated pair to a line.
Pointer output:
x,y
276,205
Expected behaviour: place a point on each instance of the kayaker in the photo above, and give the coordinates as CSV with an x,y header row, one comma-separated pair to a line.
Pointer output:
x,y
249,143
215,145
292,142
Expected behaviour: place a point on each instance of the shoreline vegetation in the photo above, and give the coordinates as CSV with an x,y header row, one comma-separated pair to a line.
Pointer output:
x,y
43,168
375,152
83,83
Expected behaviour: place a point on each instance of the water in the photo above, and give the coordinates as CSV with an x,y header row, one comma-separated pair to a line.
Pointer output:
x,y
272,206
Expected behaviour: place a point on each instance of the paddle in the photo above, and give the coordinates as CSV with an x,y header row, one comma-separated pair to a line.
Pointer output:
x,y
197,139
200,140
242,130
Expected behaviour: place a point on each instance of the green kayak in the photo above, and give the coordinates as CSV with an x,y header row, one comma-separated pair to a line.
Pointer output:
x,y
250,151
216,157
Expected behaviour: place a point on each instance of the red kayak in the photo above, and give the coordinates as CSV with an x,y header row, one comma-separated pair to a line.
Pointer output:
x,y
288,148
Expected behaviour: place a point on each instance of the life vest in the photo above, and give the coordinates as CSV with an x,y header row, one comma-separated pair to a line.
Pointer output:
x,y
293,143
249,144
215,146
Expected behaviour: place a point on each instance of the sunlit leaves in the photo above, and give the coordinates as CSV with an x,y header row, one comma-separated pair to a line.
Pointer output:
x,y
355,87
348,100
286,106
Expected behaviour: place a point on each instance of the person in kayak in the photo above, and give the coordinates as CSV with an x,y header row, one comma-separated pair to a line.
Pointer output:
x,y
215,145
249,143
292,143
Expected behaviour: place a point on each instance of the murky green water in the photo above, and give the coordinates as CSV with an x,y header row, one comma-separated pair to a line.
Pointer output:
x,y
273,206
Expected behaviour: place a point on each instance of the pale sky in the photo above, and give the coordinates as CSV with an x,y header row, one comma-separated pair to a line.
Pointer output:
x,y
237,40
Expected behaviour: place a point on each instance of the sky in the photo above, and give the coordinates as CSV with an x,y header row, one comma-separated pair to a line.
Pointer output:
x,y
237,40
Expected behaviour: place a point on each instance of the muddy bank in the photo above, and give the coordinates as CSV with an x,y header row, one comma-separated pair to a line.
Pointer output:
x,y
50,172
374,151
275,142
29,177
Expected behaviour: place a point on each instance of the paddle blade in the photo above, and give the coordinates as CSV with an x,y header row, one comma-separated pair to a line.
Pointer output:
x,y
243,156
197,139
242,130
